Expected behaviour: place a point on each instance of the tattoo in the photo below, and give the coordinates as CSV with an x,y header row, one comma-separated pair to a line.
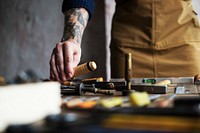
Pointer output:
x,y
75,23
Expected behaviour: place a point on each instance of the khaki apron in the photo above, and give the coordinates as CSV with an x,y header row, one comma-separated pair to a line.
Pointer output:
x,y
162,35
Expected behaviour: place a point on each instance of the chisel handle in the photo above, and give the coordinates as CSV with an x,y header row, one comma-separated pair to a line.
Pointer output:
x,y
164,82
85,68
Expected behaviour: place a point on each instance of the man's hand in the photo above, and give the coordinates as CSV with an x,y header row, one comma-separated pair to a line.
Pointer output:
x,y
65,56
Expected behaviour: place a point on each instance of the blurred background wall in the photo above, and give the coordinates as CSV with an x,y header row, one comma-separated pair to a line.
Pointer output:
x,y
29,30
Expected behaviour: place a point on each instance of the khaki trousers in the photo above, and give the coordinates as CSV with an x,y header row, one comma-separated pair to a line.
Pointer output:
x,y
162,35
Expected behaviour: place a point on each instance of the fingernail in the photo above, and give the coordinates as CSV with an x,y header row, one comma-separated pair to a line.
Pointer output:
x,y
70,75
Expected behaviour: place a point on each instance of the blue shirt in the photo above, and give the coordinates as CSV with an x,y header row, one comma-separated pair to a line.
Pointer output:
x,y
87,4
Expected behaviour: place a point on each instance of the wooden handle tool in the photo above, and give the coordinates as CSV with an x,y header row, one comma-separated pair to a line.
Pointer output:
x,y
85,68
164,82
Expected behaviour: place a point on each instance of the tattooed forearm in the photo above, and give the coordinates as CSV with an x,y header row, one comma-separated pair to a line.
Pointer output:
x,y
75,22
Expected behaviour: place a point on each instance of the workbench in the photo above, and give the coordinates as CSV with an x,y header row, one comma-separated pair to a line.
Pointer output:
x,y
180,117
151,118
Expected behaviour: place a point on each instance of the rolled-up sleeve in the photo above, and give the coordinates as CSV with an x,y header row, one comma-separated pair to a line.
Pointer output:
x,y
87,4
